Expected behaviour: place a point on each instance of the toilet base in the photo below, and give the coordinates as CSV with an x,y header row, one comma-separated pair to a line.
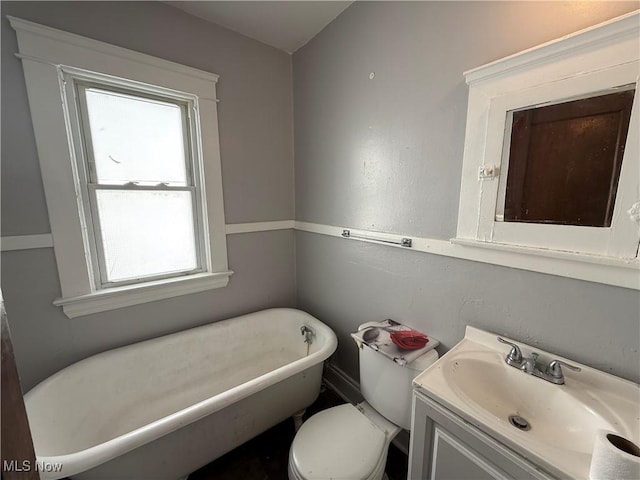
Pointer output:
x,y
297,419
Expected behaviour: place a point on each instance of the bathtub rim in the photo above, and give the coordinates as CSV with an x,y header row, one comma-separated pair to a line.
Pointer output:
x,y
82,460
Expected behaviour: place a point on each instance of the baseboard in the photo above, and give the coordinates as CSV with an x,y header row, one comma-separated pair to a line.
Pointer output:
x,y
341,383
349,390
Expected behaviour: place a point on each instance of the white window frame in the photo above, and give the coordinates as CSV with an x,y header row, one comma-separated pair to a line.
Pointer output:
x,y
75,83
589,62
53,61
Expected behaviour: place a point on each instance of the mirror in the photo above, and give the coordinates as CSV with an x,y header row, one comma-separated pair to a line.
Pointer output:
x,y
564,160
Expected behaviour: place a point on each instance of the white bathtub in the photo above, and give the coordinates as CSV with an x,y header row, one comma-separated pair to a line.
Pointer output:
x,y
162,408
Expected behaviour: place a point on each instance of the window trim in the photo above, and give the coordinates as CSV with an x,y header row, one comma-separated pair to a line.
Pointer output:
x,y
592,60
47,55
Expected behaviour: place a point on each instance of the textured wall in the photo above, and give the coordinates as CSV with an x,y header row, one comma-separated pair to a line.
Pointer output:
x,y
255,116
386,154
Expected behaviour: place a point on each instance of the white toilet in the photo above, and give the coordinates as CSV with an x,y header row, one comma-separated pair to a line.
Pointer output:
x,y
350,442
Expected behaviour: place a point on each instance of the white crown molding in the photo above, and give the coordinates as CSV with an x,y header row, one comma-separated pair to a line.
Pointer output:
x,y
618,27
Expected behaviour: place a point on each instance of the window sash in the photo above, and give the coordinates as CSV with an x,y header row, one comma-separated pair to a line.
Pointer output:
x,y
101,273
187,130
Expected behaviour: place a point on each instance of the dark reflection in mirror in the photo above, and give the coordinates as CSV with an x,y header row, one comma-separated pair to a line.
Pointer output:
x,y
565,161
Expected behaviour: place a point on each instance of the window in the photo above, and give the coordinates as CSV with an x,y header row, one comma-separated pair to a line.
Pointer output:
x,y
128,148
136,158
552,160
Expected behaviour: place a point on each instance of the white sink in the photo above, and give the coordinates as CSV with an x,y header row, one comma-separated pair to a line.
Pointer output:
x,y
474,381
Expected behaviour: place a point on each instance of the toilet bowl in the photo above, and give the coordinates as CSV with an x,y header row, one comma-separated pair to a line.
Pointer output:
x,y
350,442
343,442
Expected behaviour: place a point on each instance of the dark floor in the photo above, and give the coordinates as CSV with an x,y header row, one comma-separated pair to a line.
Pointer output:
x,y
266,456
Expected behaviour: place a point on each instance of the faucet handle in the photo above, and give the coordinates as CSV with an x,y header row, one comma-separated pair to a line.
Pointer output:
x,y
515,355
554,369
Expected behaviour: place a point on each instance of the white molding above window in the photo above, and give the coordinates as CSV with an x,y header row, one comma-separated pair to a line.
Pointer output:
x,y
48,55
597,59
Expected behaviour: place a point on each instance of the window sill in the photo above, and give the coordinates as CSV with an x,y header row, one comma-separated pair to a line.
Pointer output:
x,y
595,268
112,298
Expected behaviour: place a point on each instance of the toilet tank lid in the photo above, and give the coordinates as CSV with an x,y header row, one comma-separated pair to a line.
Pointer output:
x,y
424,361
378,337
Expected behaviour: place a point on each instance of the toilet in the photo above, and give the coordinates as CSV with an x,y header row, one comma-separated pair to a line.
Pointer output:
x,y
351,441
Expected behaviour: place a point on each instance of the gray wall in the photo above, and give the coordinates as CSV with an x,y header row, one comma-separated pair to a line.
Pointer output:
x,y
386,154
255,116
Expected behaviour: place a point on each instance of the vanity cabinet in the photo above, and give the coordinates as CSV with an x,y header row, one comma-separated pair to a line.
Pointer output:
x,y
445,447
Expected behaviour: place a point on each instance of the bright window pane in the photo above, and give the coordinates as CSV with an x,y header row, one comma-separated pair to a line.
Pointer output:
x,y
136,139
146,233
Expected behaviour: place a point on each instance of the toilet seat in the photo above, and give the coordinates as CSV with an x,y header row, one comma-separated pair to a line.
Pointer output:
x,y
378,472
339,443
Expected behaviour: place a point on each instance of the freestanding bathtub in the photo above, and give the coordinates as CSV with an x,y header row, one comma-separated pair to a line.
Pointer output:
x,y
162,408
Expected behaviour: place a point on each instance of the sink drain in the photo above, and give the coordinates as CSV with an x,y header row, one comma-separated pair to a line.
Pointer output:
x,y
519,422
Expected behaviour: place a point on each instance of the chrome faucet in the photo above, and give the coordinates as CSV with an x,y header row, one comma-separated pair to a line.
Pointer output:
x,y
308,334
529,365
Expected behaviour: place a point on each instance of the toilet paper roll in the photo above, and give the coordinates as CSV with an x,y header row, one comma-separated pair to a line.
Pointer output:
x,y
614,458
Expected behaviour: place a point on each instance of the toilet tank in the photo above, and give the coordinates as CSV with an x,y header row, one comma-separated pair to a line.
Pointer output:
x,y
386,385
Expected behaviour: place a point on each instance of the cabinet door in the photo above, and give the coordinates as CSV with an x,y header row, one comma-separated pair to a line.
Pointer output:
x,y
452,460
446,447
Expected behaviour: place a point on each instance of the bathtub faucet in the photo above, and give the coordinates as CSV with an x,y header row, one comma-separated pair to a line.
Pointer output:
x,y
307,333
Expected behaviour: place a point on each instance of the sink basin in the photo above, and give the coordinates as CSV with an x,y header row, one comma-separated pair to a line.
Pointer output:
x,y
493,388
554,424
